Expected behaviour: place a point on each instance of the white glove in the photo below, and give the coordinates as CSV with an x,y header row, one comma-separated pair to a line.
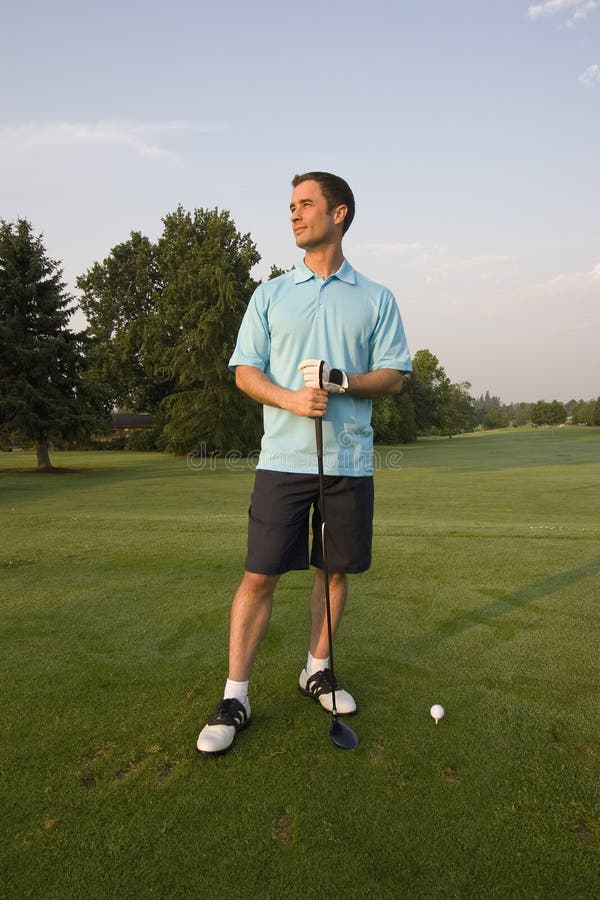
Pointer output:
x,y
317,374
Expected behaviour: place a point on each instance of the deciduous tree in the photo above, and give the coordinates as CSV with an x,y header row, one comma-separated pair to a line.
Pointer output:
x,y
457,411
119,299
164,319
429,390
544,413
495,417
394,419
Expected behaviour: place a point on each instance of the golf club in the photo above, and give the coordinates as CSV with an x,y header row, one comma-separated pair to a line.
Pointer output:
x,y
341,735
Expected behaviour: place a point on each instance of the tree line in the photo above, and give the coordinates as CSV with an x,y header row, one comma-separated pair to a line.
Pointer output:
x,y
490,412
162,322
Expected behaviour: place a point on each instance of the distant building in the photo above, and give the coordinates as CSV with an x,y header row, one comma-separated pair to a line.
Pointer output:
x,y
126,423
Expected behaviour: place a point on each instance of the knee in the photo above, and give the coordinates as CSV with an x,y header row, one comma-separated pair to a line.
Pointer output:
x,y
260,587
336,579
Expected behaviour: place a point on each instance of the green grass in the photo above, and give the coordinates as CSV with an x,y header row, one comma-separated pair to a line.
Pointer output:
x,y
116,580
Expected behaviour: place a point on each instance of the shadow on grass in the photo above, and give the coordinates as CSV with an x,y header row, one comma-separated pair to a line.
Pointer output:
x,y
54,470
528,594
103,470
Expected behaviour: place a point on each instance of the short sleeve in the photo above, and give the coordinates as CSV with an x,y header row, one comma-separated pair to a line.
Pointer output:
x,y
253,345
388,345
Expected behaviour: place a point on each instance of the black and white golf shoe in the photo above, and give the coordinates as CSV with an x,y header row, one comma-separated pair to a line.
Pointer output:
x,y
217,735
320,687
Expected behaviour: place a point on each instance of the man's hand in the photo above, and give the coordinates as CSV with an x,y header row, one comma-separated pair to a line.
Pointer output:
x,y
307,402
318,374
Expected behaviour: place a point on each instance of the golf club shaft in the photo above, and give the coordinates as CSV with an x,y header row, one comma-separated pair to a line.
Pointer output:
x,y
319,438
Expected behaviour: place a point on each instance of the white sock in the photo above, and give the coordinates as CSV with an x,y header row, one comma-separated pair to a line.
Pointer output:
x,y
315,665
236,689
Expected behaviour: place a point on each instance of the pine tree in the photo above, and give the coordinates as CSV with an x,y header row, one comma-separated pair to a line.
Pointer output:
x,y
43,396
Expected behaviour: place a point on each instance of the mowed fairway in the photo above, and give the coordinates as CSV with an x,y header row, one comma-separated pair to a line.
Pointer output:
x,y
116,580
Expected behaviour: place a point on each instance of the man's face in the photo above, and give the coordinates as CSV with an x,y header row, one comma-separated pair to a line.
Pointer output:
x,y
313,224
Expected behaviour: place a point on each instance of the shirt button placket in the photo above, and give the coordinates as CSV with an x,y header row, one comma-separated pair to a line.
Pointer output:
x,y
320,297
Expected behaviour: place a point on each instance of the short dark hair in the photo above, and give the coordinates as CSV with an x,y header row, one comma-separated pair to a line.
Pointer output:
x,y
335,190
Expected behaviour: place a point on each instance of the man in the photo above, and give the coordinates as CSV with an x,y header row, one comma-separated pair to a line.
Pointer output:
x,y
320,341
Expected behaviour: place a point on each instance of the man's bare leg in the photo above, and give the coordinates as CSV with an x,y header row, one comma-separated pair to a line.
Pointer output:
x,y
248,621
338,592
314,681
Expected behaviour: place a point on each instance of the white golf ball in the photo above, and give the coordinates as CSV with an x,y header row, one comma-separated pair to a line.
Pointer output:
x,y
437,712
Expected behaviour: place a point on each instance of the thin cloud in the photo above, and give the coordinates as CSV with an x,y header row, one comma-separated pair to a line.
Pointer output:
x,y
406,257
390,249
590,76
142,138
436,258
580,9
472,263
571,282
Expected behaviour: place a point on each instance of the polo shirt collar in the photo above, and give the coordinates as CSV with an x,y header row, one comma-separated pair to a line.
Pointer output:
x,y
345,273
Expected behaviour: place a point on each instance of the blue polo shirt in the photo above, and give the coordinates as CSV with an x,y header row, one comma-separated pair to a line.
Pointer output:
x,y
349,321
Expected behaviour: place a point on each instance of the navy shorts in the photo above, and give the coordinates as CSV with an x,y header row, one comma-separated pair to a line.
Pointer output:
x,y
279,519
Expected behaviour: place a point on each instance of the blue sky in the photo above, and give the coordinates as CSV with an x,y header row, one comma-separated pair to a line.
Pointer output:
x,y
469,131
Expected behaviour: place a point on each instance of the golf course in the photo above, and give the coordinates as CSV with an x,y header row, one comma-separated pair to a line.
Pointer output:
x,y
116,574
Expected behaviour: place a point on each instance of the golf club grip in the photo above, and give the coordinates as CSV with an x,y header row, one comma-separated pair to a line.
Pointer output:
x,y
319,441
